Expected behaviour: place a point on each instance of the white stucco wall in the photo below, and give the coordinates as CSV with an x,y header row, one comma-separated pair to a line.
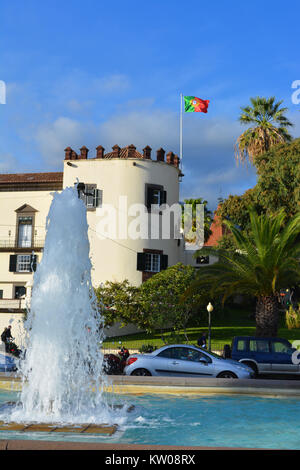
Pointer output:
x,y
116,259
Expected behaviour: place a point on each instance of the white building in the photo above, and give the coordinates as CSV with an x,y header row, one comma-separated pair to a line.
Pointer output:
x,y
119,180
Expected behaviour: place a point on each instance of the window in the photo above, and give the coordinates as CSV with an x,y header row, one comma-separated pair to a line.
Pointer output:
x,y
280,347
1,294
166,353
152,262
241,345
20,291
184,354
259,345
202,260
155,195
24,232
92,197
22,263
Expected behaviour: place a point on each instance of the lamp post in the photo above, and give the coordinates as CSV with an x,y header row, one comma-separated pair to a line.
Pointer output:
x,y
209,309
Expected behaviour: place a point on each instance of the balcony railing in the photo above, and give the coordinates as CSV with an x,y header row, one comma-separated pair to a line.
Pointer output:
x,y
12,305
11,244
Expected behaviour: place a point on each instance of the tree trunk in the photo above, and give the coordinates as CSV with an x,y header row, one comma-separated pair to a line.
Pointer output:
x,y
267,316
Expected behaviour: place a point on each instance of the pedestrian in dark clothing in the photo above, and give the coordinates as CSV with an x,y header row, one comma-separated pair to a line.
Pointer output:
x,y
6,337
202,341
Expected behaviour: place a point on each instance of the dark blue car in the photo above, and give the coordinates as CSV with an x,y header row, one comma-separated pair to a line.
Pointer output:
x,y
266,355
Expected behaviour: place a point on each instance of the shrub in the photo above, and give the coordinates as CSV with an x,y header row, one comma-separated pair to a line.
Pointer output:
x,y
292,317
147,348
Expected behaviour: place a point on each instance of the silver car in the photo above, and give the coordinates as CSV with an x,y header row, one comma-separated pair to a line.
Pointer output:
x,y
185,361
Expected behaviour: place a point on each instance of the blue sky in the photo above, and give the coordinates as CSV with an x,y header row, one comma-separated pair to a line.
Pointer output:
x,y
95,72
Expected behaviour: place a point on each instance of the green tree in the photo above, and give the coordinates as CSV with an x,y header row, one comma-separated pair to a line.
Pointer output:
x,y
278,184
159,299
270,127
265,260
155,304
117,301
278,176
193,223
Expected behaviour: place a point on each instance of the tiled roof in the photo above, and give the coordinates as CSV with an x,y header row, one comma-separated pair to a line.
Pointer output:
x,y
23,178
125,153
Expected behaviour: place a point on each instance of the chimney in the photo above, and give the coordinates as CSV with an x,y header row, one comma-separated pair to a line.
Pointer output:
x,y
84,153
170,158
131,151
160,155
68,153
100,151
116,151
176,161
74,155
147,152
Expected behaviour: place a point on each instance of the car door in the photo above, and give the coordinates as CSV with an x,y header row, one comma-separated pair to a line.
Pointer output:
x,y
161,362
282,357
259,350
189,362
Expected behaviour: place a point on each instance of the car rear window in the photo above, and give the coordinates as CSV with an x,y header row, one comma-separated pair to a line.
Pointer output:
x,y
259,345
280,347
166,353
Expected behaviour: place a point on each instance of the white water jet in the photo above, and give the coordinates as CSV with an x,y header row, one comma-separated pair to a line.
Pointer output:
x,y
62,378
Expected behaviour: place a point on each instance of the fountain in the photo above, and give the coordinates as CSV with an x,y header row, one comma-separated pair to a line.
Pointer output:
x,y
63,389
62,380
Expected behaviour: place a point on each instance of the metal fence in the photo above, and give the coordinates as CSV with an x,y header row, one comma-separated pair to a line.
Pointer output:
x,y
135,347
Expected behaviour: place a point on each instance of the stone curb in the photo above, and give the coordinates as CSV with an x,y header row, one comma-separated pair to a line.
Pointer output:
x,y
51,445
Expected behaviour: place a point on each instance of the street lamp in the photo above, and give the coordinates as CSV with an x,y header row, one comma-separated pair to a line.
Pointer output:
x,y
209,309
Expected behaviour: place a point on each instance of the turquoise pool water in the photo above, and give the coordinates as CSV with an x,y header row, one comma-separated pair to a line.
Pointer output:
x,y
217,421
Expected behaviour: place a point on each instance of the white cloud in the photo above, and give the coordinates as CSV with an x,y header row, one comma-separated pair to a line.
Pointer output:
x,y
208,159
53,138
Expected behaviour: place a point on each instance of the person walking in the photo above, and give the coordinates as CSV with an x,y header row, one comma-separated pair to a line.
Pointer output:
x,y
6,336
202,341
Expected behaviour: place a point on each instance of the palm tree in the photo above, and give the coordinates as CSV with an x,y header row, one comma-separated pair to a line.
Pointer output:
x,y
270,128
266,260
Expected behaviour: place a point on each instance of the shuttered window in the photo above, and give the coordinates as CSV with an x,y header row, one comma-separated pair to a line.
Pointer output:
x,y
22,263
151,262
92,197
155,196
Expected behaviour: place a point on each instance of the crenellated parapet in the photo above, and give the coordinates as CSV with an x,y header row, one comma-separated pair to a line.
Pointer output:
x,y
123,153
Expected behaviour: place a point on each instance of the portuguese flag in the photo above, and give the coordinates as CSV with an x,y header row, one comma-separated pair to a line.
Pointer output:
x,y
192,104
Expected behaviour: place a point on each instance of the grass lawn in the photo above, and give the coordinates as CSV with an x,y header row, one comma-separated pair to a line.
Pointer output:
x,y
225,325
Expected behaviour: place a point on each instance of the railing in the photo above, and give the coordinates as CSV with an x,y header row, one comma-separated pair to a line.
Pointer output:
x,y
13,304
37,243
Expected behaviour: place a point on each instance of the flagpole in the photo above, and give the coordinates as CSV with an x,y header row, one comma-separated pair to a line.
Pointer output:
x,y
180,142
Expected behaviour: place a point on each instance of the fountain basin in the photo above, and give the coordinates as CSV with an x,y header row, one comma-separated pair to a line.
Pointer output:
x,y
213,419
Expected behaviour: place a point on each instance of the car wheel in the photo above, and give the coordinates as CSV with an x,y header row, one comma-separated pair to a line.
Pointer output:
x,y
227,375
141,372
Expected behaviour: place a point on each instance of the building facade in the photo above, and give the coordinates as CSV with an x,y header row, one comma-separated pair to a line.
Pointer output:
x,y
121,189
